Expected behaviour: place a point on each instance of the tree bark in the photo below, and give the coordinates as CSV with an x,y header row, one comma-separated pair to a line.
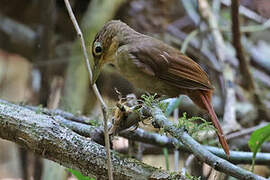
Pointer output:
x,y
46,137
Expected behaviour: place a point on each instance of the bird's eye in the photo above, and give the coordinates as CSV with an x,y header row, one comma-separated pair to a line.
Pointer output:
x,y
97,49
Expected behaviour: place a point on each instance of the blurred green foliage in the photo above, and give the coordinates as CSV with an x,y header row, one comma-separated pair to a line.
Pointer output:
x,y
79,175
256,140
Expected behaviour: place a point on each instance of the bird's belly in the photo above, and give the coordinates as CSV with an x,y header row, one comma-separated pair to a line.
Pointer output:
x,y
146,82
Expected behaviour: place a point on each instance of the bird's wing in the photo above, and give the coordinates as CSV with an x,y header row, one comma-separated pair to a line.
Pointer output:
x,y
170,65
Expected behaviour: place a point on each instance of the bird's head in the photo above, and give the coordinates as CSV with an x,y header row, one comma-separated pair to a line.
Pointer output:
x,y
105,45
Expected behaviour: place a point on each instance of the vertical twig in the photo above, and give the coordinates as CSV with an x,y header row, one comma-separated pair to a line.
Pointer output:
x,y
80,35
103,105
247,79
228,73
248,82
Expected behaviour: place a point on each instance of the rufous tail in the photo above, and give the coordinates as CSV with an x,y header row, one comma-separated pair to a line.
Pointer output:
x,y
222,139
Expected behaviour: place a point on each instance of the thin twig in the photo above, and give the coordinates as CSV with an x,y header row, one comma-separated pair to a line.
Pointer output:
x,y
244,132
241,133
199,151
247,79
96,91
248,82
140,135
78,124
229,116
80,35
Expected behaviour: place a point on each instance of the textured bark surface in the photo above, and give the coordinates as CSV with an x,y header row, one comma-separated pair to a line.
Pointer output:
x,y
46,137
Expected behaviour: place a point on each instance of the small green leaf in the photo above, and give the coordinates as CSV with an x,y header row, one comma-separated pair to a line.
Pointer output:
x,y
257,138
79,175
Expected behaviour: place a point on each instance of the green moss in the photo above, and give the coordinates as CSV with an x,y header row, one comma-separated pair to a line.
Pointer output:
x,y
188,176
191,125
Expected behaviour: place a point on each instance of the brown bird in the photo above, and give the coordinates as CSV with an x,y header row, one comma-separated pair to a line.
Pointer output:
x,y
154,66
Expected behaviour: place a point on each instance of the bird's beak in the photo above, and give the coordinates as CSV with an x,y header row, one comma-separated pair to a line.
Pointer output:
x,y
96,72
